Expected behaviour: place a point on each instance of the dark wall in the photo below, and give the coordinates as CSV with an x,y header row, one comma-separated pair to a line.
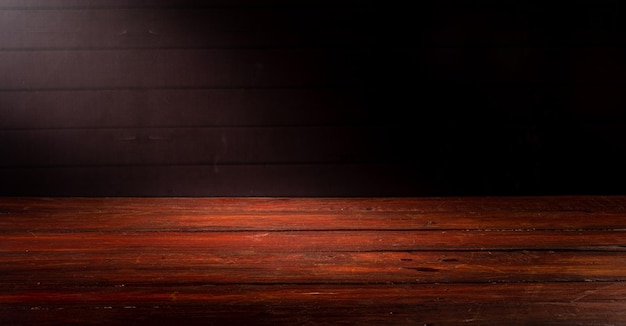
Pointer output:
x,y
311,98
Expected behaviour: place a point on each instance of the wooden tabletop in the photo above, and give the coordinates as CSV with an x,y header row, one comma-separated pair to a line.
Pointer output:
x,y
557,260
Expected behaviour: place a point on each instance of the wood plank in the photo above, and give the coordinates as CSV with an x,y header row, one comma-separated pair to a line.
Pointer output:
x,y
491,293
183,28
70,272
146,69
437,304
311,107
319,241
194,146
107,4
65,69
421,178
319,23
113,265
41,215
219,180
502,65
186,108
460,206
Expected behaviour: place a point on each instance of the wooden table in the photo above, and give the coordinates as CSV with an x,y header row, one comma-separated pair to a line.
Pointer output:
x,y
301,261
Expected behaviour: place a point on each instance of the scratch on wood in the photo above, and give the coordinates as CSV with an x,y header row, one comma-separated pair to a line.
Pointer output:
x,y
319,293
422,269
590,292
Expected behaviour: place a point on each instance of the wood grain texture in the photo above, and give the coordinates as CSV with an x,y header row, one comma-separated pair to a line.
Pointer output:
x,y
553,260
480,304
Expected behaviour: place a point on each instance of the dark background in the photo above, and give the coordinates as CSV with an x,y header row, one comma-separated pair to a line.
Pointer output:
x,y
311,97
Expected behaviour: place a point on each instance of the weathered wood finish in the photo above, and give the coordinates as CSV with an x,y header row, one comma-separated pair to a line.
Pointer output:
x,y
294,261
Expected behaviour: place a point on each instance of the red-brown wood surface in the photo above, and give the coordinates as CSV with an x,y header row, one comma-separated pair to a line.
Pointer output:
x,y
295,261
